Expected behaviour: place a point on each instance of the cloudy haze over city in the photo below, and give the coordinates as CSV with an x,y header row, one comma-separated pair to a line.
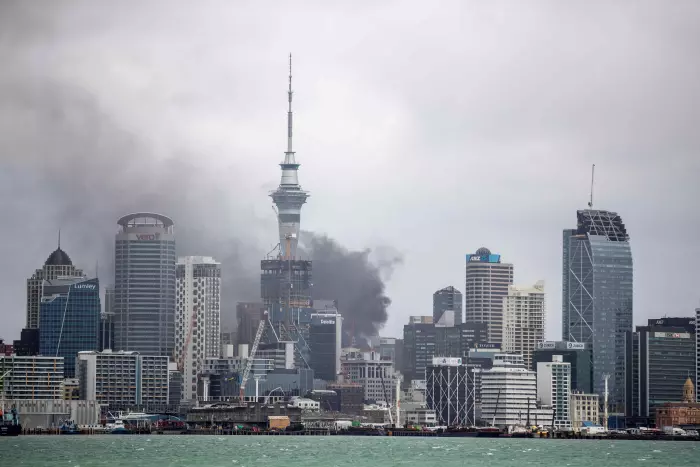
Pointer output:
x,y
424,131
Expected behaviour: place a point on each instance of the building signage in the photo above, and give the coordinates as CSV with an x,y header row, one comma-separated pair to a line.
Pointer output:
x,y
484,259
447,361
673,335
575,345
85,286
327,321
143,237
546,345
488,345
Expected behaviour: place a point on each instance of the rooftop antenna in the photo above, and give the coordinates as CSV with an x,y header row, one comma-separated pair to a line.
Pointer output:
x,y
590,203
59,239
289,112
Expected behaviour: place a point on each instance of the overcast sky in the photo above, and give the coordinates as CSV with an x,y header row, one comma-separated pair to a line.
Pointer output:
x,y
429,128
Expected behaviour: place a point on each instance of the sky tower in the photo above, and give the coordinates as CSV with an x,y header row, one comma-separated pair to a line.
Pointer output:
x,y
289,197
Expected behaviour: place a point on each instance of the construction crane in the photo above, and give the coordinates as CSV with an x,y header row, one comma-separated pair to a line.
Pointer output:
x,y
251,356
193,323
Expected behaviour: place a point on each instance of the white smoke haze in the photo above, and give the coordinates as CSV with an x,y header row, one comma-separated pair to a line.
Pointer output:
x,y
420,130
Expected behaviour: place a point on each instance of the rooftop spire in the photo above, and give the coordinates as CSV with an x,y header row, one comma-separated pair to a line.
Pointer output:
x,y
289,112
59,239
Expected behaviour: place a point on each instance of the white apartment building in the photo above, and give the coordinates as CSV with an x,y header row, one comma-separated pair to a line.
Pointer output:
x,y
31,378
509,394
584,408
197,317
554,389
374,374
524,320
123,380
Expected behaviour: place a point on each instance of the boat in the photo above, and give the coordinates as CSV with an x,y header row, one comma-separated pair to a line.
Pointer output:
x,y
118,428
9,423
488,432
69,427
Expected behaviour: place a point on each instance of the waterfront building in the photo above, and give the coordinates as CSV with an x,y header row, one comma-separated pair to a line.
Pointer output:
x,y
144,288
197,317
51,413
597,295
69,321
325,335
350,397
31,377
124,380
584,408
684,413
58,264
487,281
509,394
554,389
447,306
524,320
450,391
577,354
659,358
70,389
374,374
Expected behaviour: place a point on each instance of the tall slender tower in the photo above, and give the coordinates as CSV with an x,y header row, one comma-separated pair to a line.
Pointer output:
x,y
289,197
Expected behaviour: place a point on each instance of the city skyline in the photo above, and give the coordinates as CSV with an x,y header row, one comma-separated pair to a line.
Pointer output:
x,y
365,161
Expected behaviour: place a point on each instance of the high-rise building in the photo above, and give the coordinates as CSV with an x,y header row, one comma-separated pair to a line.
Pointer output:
x,y
448,301
31,377
58,264
144,288
69,321
124,380
419,347
248,318
659,358
197,317
374,374
107,320
584,408
577,354
457,341
487,281
554,389
286,280
597,295
524,320
325,334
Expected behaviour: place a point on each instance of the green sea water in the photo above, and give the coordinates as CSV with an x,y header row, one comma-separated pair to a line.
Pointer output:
x,y
311,451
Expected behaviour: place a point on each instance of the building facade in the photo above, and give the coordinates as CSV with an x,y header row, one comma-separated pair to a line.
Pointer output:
x,y
684,413
197,317
107,320
58,264
325,336
597,295
554,389
524,320
419,339
248,316
374,374
144,289
577,354
659,358
69,321
450,391
487,281
584,408
31,377
448,300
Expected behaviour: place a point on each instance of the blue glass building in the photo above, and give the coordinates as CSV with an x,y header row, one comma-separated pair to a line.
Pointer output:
x,y
597,296
69,319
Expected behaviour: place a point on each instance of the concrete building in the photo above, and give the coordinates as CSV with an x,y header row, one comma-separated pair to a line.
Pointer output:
x,y
524,320
69,320
50,413
32,377
447,306
577,354
419,338
325,336
509,394
418,417
684,413
106,340
374,374
597,295
350,397
554,389
144,288
584,408
58,264
487,281
659,358
456,341
450,391
124,380
197,317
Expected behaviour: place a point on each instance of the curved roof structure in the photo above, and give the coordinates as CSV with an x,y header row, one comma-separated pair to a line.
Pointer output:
x,y
58,258
165,220
483,251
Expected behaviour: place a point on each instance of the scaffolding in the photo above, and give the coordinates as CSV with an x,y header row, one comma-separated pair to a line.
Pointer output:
x,y
451,392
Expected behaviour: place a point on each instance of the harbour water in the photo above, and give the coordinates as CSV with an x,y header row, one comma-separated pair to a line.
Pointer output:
x,y
255,451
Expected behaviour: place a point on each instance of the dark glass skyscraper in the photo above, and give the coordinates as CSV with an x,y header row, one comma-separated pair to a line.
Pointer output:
x,y
597,295
69,319
144,288
446,299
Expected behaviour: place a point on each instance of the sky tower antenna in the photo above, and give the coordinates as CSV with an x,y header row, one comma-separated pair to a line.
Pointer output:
x,y
590,203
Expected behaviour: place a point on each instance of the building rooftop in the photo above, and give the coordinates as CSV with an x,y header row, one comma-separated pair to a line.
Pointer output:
x,y
58,258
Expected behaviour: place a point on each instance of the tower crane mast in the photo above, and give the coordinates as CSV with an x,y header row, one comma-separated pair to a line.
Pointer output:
x,y
251,356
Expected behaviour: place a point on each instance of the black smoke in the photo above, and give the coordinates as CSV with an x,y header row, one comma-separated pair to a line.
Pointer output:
x,y
355,279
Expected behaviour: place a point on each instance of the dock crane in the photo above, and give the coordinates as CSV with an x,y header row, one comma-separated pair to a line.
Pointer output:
x,y
251,356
